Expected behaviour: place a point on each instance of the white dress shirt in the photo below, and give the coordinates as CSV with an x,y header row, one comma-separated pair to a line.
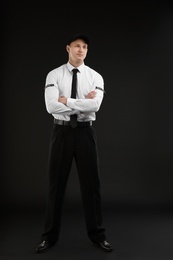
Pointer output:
x,y
58,83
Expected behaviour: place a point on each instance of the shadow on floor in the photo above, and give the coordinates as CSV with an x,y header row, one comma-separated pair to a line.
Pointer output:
x,y
135,233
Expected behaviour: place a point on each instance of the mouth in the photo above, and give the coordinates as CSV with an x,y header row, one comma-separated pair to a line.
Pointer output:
x,y
80,55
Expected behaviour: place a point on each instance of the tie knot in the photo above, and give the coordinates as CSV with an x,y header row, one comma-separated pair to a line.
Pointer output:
x,y
75,71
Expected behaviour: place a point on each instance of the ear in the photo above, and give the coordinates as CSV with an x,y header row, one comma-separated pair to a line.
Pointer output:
x,y
67,48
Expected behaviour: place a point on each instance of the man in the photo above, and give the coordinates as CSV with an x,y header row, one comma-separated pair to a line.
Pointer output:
x,y
70,142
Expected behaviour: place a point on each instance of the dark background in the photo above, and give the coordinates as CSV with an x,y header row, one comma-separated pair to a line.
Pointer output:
x,y
131,46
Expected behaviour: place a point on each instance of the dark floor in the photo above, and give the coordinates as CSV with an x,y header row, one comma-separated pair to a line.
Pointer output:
x,y
135,233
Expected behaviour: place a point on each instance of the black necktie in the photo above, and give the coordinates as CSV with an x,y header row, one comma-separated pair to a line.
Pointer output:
x,y
73,118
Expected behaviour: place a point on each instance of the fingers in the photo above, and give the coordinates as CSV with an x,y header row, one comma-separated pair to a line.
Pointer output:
x,y
91,94
62,99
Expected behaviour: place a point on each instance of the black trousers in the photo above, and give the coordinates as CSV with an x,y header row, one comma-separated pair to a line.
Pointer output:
x,y
79,143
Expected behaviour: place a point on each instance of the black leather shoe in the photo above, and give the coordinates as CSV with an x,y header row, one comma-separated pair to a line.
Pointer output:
x,y
104,245
43,246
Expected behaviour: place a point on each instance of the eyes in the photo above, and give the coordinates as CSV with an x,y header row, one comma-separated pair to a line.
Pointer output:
x,y
83,46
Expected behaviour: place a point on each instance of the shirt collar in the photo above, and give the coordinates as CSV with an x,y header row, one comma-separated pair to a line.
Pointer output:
x,y
70,67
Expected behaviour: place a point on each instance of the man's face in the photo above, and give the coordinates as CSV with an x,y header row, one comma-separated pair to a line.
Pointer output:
x,y
77,50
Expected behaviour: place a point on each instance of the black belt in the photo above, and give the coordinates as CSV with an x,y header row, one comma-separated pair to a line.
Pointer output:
x,y
67,123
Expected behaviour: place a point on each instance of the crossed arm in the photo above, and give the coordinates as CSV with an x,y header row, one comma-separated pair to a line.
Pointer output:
x,y
90,95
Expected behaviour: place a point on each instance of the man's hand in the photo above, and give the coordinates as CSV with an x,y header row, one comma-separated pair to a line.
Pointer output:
x,y
62,99
91,94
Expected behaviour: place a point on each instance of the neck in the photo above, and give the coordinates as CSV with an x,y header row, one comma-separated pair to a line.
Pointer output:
x,y
75,63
